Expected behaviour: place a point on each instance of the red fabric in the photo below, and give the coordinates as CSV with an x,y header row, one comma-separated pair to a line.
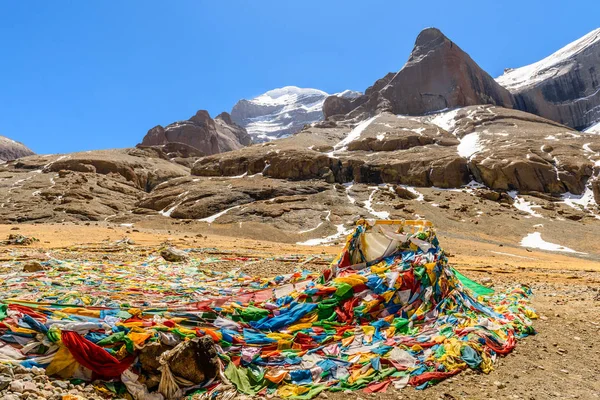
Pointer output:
x,y
508,346
430,376
27,310
345,261
376,387
94,357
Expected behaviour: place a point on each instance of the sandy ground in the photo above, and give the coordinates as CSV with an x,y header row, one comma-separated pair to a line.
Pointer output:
x,y
561,361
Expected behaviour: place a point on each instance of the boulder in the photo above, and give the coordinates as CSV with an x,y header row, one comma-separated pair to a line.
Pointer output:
x,y
194,360
33,266
174,255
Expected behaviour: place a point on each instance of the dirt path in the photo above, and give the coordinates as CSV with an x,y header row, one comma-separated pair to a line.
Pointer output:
x,y
561,361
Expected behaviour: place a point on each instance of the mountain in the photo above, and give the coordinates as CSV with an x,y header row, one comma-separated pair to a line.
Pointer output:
x,y
210,136
281,112
563,87
11,149
437,76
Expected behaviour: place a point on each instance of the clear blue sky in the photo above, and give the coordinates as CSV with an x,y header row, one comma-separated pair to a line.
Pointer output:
x,y
82,75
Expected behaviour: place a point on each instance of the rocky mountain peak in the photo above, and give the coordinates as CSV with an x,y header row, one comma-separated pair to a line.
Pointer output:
x,y
429,37
11,149
202,133
202,117
225,117
438,75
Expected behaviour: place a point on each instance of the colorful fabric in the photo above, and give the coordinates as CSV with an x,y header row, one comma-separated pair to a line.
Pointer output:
x,y
403,317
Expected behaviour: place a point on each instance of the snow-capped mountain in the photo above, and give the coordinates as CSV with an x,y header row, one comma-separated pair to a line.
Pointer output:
x,y
564,86
281,112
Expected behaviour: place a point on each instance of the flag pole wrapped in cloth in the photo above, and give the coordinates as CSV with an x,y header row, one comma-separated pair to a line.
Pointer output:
x,y
388,311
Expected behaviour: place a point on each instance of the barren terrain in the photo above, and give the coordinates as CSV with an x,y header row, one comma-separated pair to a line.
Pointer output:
x,y
559,362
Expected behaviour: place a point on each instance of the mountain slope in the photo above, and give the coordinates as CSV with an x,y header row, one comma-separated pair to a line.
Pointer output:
x,y
281,112
11,149
563,87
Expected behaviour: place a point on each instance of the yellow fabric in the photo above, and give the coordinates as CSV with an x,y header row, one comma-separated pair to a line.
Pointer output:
x,y
297,327
82,311
63,364
352,280
138,338
291,390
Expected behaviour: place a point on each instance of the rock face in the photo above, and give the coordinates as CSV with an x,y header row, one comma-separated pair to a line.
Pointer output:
x,y
11,149
87,186
210,136
437,76
282,112
563,87
501,148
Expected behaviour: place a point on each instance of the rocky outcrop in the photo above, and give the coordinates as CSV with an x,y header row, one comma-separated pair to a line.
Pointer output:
x,y
282,112
210,136
11,149
437,76
88,186
563,87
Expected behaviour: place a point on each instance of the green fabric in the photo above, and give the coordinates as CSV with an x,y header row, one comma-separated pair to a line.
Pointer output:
x,y
246,380
473,286
118,338
3,308
252,313
343,291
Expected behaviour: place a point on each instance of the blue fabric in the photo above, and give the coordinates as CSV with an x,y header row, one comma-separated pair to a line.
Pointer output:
x,y
470,356
253,337
301,377
287,317
33,324
376,363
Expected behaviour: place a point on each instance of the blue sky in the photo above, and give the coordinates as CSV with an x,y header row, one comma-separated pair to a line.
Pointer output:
x,y
83,75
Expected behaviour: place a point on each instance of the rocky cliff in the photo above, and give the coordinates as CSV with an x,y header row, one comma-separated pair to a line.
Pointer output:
x,y
210,136
563,87
438,75
11,149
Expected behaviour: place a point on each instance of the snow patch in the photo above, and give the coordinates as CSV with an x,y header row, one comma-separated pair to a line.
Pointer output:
x,y
369,206
535,241
341,232
446,120
213,217
524,205
469,146
352,136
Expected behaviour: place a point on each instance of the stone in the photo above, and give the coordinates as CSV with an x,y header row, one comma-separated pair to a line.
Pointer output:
x,y
194,360
404,193
172,254
34,266
4,382
17,386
